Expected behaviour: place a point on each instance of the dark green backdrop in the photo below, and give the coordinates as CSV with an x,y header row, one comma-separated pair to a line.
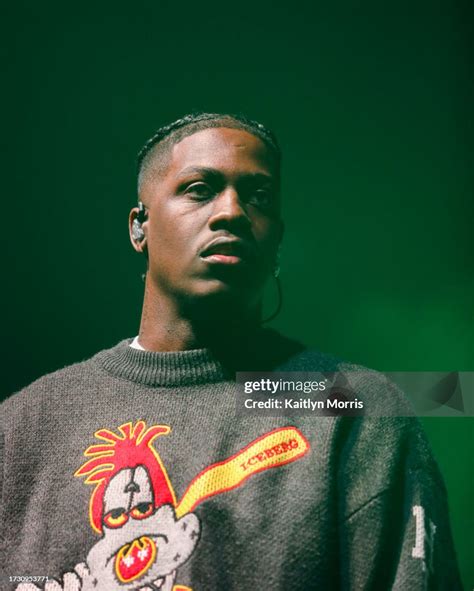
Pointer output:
x,y
372,103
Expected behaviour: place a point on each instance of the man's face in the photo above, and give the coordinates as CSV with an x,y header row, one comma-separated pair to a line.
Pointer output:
x,y
213,224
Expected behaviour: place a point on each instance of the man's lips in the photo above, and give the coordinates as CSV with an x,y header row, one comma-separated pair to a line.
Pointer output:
x,y
227,251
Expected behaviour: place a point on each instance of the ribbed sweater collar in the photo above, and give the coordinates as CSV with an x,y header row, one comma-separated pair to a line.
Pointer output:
x,y
176,368
265,350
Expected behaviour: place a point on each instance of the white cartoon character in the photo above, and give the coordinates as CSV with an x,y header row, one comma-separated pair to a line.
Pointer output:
x,y
139,543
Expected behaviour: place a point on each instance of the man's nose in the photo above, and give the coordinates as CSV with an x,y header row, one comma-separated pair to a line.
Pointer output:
x,y
228,209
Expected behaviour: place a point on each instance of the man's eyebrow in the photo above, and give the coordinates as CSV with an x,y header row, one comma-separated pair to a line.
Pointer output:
x,y
214,172
200,170
258,176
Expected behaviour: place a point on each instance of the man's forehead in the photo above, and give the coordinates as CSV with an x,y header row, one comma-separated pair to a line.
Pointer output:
x,y
220,147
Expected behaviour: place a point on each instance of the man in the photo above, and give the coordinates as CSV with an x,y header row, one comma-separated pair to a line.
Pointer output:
x,y
132,471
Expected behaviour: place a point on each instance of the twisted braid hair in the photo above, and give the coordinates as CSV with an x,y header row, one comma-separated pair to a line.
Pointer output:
x,y
157,148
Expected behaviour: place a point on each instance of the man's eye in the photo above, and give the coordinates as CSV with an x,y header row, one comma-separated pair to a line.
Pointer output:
x,y
261,198
200,191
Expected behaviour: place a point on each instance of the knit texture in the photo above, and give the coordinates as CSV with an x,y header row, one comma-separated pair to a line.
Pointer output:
x,y
131,470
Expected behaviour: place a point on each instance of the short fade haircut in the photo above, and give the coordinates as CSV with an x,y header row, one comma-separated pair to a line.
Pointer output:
x,y
158,146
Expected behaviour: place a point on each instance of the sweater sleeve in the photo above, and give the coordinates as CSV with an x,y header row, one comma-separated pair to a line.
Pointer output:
x,y
2,447
394,528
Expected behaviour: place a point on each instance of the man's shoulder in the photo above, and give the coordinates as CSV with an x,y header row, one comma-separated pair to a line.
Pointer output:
x,y
379,394
308,360
288,354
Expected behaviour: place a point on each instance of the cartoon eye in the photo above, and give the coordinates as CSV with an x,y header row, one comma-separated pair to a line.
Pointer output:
x,y
116,518
141,510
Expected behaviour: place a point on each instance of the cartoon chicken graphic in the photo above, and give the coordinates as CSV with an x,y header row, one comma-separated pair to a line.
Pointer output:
x,y
145,534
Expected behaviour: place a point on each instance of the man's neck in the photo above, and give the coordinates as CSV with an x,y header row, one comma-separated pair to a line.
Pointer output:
x,y
205,323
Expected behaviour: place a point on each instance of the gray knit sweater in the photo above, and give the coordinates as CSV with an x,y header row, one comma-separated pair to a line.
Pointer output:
x,y
132,471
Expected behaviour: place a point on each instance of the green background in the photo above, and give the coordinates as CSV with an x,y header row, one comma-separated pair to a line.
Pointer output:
x,y
372,102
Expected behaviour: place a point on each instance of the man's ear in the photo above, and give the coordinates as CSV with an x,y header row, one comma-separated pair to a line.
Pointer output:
x,y
137,228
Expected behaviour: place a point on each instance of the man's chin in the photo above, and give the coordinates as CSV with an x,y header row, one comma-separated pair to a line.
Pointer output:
x,y
226,288
216,295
